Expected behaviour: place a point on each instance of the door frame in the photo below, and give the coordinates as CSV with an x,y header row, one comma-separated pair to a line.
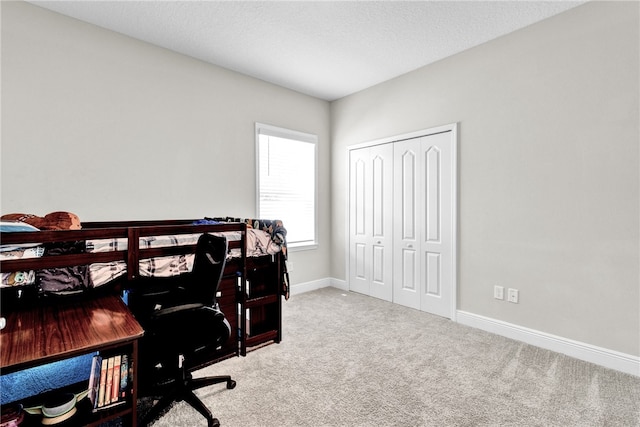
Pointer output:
x,y
453,128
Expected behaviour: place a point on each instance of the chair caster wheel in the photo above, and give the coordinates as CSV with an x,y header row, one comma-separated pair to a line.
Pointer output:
x,y
214,423
231,384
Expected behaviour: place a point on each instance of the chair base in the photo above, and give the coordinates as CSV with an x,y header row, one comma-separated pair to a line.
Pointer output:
x,y
182,389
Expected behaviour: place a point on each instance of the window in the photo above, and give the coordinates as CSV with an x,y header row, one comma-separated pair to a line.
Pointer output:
x,y
286,178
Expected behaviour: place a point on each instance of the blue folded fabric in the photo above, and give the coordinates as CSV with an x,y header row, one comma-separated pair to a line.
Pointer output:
x,y
205,221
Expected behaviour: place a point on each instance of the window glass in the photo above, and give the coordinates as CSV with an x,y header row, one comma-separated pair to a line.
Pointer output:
x,y
287,181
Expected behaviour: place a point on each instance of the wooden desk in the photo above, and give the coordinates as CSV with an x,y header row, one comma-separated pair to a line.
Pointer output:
x,y
52,332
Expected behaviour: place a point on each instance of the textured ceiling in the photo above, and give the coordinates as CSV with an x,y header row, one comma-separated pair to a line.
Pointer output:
x,y
327,49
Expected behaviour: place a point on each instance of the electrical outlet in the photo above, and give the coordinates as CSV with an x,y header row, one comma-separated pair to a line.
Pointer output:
x,y
289,266
513,295
498,292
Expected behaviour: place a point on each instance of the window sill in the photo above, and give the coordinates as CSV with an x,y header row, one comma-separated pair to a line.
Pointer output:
x,y
302,247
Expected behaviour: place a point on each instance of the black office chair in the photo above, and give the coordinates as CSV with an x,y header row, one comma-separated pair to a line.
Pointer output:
x,y
181,319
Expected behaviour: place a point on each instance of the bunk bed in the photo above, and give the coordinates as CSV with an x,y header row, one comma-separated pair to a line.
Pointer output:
x,y
108,257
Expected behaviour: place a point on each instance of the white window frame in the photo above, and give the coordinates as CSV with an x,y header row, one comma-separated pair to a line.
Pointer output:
x,y
270,130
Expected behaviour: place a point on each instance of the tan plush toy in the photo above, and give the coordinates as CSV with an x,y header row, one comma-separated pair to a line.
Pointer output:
x,y
51,221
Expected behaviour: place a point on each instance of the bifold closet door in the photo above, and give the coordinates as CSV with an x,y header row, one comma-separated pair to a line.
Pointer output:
x,y
423,217
371,221
407,200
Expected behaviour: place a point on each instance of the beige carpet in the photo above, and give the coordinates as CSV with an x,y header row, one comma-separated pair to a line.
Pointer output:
x,y
352,360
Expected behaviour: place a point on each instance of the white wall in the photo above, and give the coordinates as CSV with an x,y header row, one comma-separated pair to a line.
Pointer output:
x,y
548,169
112,128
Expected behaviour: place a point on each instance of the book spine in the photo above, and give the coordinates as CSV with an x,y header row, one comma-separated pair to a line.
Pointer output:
x,y
103,382
115,389
94,379
109,381
124,376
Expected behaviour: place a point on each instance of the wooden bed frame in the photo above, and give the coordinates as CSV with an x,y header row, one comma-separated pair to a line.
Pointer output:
x,y
249,294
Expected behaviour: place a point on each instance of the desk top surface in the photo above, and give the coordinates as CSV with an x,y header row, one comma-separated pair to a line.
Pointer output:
x,y
53,332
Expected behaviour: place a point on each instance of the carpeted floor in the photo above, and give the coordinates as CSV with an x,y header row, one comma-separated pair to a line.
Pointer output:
x,y
352,360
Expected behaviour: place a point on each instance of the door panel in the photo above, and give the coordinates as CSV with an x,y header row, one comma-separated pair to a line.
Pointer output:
x,y
380,284
432,276
437,234
360,196
408,173
371,220
406,287
358,224
360,260
381,241
379,194
432,193
409,281
378,264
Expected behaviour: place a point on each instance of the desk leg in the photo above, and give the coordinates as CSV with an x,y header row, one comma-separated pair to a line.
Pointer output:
x,y
134,396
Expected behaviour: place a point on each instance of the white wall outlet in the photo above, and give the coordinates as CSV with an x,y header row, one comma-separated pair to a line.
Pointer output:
x,y
289,266
498,292
513,295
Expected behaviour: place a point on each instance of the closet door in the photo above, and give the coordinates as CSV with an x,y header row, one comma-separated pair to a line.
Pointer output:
x,y
436,243
371,221
423,204
359,225
407,201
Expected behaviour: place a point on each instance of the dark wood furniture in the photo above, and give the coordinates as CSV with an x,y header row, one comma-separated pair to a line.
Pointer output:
x,y
249,294
262,303
50,332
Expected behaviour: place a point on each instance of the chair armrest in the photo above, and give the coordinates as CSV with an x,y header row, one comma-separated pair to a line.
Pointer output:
x,y
146,295
176,310
185,314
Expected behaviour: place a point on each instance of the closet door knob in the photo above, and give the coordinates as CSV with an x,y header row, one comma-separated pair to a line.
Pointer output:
x,y
379,242
410,246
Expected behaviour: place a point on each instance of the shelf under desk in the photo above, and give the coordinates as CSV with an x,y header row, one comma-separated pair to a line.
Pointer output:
x,y
51,332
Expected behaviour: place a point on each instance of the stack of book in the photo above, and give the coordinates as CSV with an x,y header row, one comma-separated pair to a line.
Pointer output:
x,y
109,381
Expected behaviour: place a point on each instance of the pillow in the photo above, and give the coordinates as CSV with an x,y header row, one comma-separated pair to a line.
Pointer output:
x,y
51,221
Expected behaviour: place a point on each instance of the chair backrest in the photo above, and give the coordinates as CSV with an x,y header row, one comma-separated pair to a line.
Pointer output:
x,y
208,267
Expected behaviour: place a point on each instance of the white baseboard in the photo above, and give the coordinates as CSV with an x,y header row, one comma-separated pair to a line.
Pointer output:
x,y
340,284
600,356
300,288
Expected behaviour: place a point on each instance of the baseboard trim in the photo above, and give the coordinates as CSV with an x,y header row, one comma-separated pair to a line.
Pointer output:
x,y
600,356
340,284
300,288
